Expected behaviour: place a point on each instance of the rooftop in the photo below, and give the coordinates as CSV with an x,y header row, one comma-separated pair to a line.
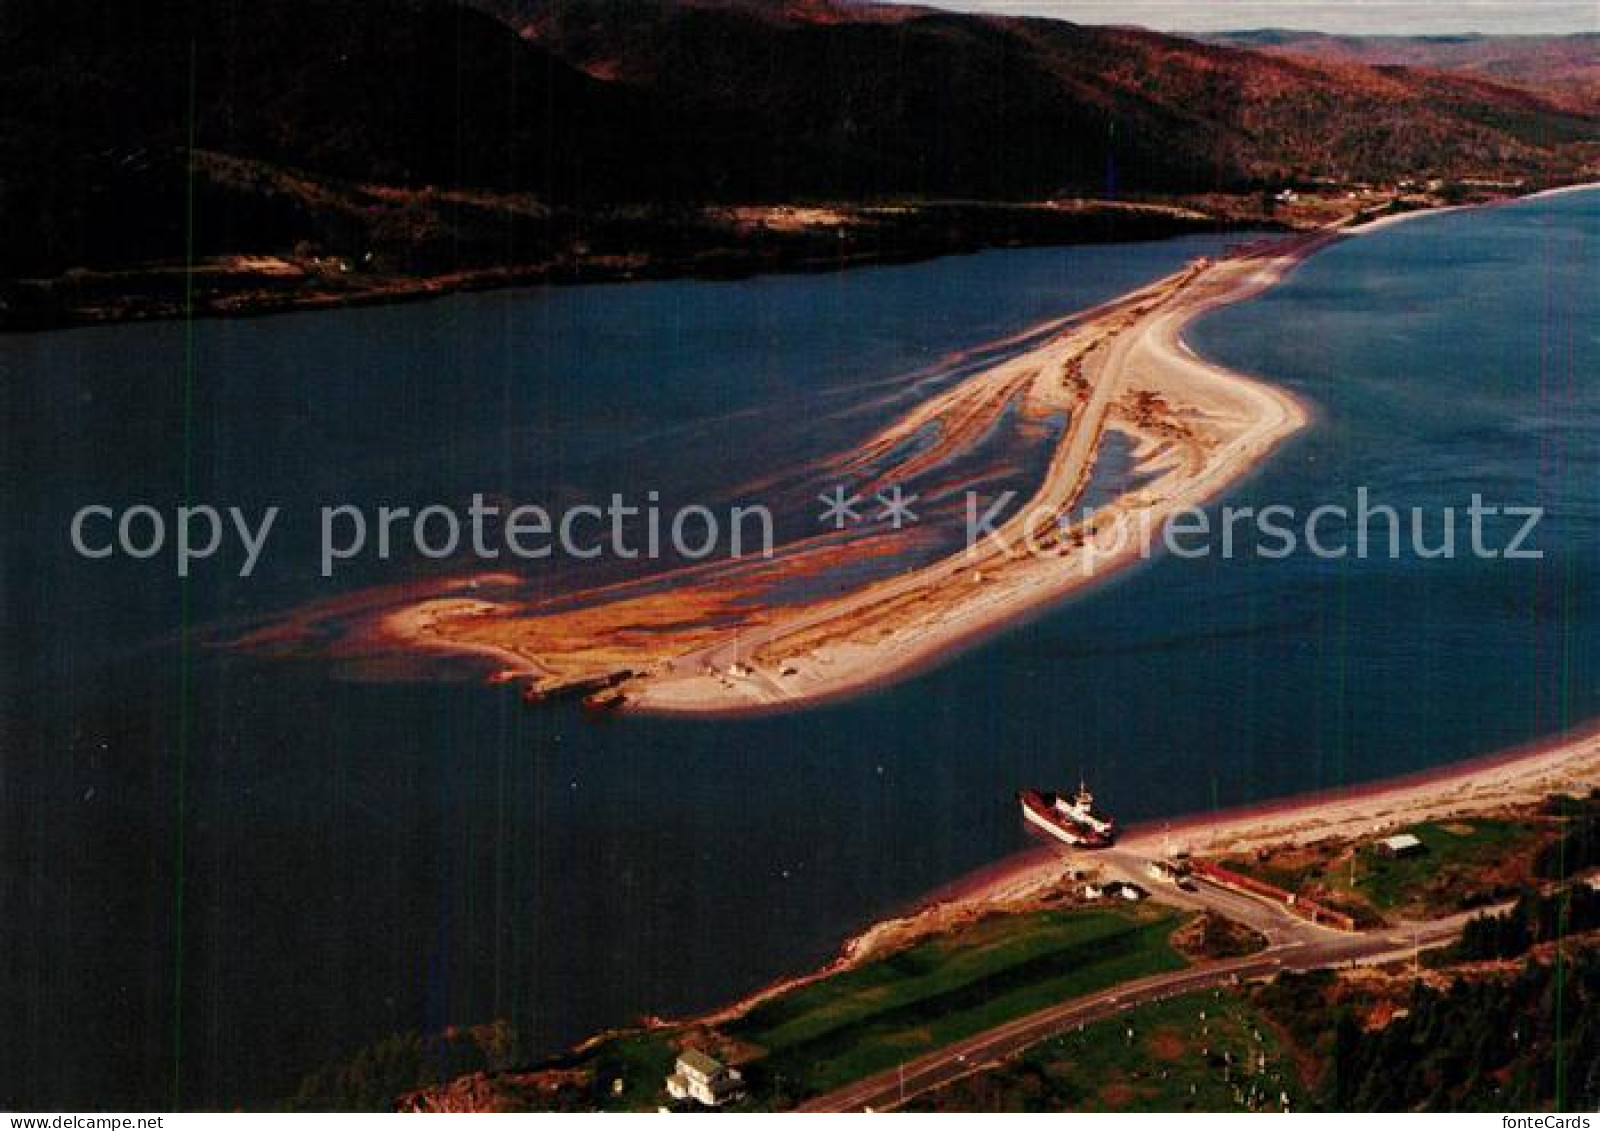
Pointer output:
x,y
697,1061
1401,842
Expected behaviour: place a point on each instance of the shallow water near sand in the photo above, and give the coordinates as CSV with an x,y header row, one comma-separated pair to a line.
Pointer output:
x,y
364,852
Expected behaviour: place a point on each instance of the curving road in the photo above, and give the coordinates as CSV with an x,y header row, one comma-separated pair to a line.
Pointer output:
x,y
1294,945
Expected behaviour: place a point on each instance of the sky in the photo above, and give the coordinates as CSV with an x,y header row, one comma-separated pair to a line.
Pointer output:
x,y
1349,17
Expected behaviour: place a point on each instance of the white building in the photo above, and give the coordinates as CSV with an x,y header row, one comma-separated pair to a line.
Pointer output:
x,y
705,1080
1402,844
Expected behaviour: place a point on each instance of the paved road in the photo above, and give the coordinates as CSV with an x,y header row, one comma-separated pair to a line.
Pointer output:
x,y
1270,919
1295,945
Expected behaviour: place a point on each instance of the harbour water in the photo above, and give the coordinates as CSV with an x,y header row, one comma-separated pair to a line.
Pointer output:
x,y
222,870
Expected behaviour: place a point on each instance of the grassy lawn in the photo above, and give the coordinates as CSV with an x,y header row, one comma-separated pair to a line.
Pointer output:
x,y
828,1034
641,1061
1462,858
1175,1060
1468,861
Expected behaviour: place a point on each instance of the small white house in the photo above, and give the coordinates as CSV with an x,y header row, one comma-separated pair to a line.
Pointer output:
x,y
705,1080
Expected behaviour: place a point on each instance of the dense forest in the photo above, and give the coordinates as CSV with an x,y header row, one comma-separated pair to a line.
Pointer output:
x,y
1525,1042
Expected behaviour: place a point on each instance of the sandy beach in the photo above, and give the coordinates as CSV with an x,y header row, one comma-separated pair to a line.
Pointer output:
x,y
709,641
1497,783
708,644
714,638
1395,218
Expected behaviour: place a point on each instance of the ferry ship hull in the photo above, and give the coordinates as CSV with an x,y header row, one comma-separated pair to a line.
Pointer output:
x,y
1039,809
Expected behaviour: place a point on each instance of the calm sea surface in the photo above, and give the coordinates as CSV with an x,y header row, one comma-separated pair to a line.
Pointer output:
x,y
221,870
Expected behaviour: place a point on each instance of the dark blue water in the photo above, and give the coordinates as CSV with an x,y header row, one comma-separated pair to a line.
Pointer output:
x,y
220,871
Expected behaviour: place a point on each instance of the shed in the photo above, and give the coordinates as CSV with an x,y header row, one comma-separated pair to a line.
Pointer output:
x,y
1401,844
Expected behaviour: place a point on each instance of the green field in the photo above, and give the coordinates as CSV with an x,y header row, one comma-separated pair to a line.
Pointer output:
x,y
640,1061
872,1018
1463,859
829,1033
1466,862
1175,1060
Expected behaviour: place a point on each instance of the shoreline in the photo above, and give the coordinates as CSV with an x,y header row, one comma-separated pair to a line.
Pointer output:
x,y
726,242
1198,428
1396,218
709,646
264,282
1514,777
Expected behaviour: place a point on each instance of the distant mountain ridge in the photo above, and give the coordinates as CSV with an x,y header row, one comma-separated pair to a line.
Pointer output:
x,y
98,101
1565,68
590,104
902,99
